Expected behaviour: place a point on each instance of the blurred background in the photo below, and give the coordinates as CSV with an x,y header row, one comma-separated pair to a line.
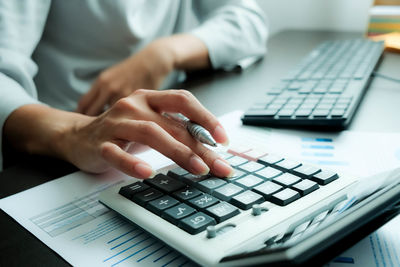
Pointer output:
x,y
339,15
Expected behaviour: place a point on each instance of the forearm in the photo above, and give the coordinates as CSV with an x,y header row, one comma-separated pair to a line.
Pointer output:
x,y
188,52
39,129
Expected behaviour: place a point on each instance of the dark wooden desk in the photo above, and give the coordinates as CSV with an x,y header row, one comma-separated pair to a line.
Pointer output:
x,y
220,93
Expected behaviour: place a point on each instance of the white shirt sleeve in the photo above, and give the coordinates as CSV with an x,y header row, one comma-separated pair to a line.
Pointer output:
x,y
232,30
21,27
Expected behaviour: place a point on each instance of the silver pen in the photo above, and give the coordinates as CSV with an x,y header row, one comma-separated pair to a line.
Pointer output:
x,y
197,131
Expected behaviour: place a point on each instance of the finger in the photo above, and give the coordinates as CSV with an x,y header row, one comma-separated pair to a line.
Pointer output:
x,y
125,162
97,105
184,102
87,99
151,134
217,165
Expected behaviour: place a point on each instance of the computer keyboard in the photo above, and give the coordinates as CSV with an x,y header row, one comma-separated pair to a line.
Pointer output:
x,y
207,215
324,89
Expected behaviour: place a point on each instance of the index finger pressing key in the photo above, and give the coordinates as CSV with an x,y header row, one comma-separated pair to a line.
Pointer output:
x,y
182,101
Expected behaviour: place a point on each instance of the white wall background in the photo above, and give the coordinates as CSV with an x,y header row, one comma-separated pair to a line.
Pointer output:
x,y
341,15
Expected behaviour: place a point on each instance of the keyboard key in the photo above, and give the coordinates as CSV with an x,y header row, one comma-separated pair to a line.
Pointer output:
x,y
187,193
208,185
177,172
306,171
324,177
129,190
162,203
320,113
262,113
267,189
305,187
249,181
336,112
246,200
286,113
222,211
286,179
143,197
203,201
236,161
269,172
303,112
270,159
227,191
176,213
287,164
165,183
251,166
196,223
284,197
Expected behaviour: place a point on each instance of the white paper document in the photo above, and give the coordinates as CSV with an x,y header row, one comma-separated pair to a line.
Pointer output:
x,y
66,216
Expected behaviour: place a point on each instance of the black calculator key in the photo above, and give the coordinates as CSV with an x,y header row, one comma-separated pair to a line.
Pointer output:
x,y
287,179
249,181
305,187
227,191
236,161
324,177
209,184
203,201
222,211
287,164
143,197
306,171
187,193
129,190
267,189
284,197
246,200
176,213
165,183
177,172
270,159
162,203
269,172
192,179
196,223
251,166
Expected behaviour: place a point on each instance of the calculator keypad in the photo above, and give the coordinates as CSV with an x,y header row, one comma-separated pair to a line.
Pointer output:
x,y
193,202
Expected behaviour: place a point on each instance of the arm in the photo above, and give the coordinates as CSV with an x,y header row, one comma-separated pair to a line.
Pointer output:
x,y
229,31
21,27
150,66
95,144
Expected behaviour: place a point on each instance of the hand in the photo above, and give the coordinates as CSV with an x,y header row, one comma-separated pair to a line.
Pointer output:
x,y
95,144
146,69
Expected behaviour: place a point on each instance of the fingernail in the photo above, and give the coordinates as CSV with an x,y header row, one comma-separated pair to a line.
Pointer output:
x,y
198,165
220,135
144,170
223,168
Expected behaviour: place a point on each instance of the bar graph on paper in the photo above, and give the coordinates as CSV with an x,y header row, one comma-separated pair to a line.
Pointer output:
x,y
320,151
120,242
